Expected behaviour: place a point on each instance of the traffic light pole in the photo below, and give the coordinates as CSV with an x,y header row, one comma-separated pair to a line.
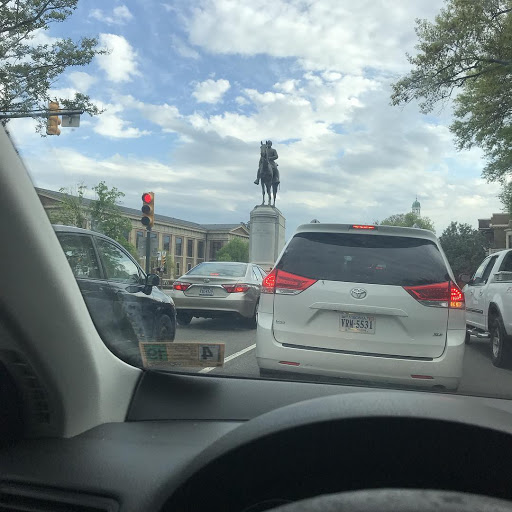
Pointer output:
x,y
41,113
148,252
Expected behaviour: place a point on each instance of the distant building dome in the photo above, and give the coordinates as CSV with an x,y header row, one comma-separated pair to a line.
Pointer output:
x,y
416,207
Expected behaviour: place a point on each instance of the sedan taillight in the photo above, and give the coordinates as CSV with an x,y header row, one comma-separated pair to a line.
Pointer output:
x,y
235,288
181,286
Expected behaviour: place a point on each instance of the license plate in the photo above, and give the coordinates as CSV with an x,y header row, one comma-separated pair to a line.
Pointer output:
x,y
352,322
206,290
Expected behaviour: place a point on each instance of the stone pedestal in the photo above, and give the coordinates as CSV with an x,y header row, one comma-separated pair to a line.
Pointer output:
x,y
266,239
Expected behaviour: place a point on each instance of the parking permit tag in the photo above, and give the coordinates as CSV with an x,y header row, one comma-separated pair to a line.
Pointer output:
x,y
175,355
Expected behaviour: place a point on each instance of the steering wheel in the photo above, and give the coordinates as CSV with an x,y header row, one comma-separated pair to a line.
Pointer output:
x,y
364,451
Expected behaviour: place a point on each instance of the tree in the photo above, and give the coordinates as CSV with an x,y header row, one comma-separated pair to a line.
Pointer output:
x,y
464,247
72,211
28,69
235,250
468,50
408,220
505,197
106,216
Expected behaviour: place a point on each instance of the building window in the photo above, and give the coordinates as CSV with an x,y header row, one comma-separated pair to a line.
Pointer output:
x,y
154,240
167,243
189,266
215,246
179,246
200,249
140,237
190,248
178,273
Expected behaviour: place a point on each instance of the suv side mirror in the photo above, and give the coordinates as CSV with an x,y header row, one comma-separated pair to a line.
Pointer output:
x,y
465,278
152,280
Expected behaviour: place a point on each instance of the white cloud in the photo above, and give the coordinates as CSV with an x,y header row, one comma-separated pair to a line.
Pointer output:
x,y
109,124
40,36
304,110
210,91
81,81
120,15
183,49
324,34
120,65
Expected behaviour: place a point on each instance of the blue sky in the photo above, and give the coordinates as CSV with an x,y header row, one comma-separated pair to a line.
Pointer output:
x,y
190,88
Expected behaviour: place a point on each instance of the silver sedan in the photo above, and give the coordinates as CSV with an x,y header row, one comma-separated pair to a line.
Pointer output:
x,y
214,289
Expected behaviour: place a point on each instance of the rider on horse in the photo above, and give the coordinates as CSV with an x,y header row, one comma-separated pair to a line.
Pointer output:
x,y
271,157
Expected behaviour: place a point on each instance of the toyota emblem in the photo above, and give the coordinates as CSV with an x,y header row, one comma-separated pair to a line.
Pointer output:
x,y
358,293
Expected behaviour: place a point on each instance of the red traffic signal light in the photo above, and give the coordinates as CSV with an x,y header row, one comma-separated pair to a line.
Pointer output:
x,y
148,209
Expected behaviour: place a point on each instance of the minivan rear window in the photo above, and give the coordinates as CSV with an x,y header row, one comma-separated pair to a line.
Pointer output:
x,y
374,259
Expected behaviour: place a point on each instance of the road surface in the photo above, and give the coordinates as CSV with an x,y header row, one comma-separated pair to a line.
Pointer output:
x,y
480,376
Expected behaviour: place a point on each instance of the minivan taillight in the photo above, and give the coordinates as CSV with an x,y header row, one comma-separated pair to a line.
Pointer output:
x,y
269,282
285,283
439,295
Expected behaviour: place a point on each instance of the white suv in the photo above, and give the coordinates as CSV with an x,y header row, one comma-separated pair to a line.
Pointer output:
x,y
373,303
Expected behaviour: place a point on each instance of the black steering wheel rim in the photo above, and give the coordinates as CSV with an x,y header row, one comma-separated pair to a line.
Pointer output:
x,y
398,500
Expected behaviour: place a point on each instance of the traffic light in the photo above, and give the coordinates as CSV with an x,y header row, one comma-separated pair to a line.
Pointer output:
x,y
148,209
52,125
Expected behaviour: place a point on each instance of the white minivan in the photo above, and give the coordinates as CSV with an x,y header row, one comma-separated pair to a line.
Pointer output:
x,y
365,302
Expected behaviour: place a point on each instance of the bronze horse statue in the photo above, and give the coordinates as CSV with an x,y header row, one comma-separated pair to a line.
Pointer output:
x,y
268,180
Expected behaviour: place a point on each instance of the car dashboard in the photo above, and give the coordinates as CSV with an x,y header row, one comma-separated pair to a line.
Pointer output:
x,y
192,443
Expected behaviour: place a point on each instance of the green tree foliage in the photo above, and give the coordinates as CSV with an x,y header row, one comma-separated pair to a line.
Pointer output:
x,y
464,247
106,216
29,68
505,197
408,220
468,50
72,211
235,250
103,212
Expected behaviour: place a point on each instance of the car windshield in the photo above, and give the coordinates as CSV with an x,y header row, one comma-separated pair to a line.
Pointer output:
x,y
312,191
219,269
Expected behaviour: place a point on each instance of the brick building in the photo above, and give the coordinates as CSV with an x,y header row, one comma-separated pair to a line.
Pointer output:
x,y
497,231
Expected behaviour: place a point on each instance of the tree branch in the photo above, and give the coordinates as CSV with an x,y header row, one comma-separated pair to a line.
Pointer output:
x,y
499,13
35,18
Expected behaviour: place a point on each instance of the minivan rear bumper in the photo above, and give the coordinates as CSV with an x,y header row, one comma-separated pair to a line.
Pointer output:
x,y
446,370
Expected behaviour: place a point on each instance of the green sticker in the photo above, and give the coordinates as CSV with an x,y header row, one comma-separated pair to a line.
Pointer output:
x,y
155,352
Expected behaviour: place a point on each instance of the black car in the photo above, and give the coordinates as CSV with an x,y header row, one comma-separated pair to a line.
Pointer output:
x,y
125,305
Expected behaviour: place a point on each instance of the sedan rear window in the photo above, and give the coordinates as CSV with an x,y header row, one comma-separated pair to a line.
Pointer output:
x,y
219,269
374,259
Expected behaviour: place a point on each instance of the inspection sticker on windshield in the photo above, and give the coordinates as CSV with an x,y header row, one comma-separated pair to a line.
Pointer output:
x,y
176,355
